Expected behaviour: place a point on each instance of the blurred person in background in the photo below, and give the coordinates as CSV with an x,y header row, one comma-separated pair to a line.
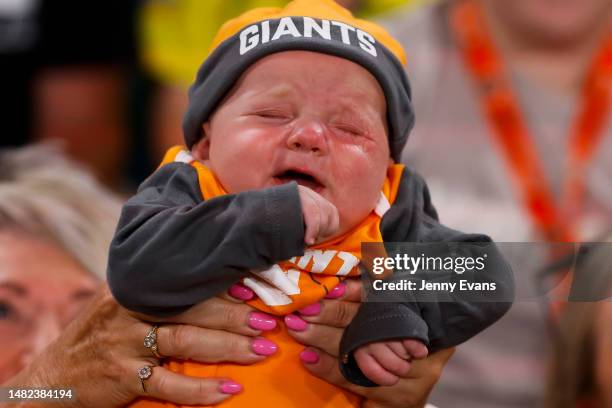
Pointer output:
x,y
61,328
55,226
580,375
65,75
513,133
175,36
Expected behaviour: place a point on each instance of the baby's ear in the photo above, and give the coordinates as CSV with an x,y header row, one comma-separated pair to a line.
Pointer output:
x,y
201,149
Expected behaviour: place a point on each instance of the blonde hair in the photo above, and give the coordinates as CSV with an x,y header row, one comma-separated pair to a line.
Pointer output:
x,y
44,194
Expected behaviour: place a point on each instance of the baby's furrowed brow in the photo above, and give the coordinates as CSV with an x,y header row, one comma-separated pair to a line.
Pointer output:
x,y
277,91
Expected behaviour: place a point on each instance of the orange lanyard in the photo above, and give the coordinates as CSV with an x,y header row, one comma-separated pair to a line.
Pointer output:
x,y
556,222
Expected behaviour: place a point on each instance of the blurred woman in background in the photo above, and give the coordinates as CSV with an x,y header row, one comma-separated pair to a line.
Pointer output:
x,y
514,135
55,225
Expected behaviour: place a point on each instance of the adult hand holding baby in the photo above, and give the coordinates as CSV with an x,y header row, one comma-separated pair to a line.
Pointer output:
x,y
320,216
411,391
100,352
324,326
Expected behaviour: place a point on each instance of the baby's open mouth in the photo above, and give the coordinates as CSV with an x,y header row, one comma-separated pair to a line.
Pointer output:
x,y
303,179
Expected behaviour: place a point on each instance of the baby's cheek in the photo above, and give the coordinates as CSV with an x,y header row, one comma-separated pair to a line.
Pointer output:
x,y
355,199
357,181
364,186
360,176
239,170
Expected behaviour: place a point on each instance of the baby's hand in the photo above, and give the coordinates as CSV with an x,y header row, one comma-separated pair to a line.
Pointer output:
x,y
385,362
320,216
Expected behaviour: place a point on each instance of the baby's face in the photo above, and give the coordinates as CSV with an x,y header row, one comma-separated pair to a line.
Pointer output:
x,y
307,117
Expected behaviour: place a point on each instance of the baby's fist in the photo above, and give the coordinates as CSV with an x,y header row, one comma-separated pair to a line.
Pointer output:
x,y
386,362
320,216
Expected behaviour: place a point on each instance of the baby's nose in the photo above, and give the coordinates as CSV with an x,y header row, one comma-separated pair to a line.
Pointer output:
x,y
308,136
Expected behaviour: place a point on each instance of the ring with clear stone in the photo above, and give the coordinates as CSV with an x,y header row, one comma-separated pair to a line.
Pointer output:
x,y
144,373
150,341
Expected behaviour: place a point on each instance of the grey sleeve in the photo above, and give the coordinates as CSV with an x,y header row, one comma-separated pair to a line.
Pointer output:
x,y
172,249
438,324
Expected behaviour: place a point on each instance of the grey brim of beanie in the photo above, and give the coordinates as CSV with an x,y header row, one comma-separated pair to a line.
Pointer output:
x,y
225,65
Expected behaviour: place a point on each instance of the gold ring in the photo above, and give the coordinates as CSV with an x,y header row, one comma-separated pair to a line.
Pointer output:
x,y
150,341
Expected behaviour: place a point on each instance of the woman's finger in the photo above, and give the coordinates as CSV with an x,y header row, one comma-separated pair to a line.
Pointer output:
x,y
325,366
432,365
353,290
326,338
221,314
238,293
348,290
335,313
207,346
181,389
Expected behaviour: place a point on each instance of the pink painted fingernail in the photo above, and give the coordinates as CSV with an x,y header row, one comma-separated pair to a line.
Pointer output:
x,y
311,310
230,387
264,347
241,292
295,323
261,321
308,356
337,291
